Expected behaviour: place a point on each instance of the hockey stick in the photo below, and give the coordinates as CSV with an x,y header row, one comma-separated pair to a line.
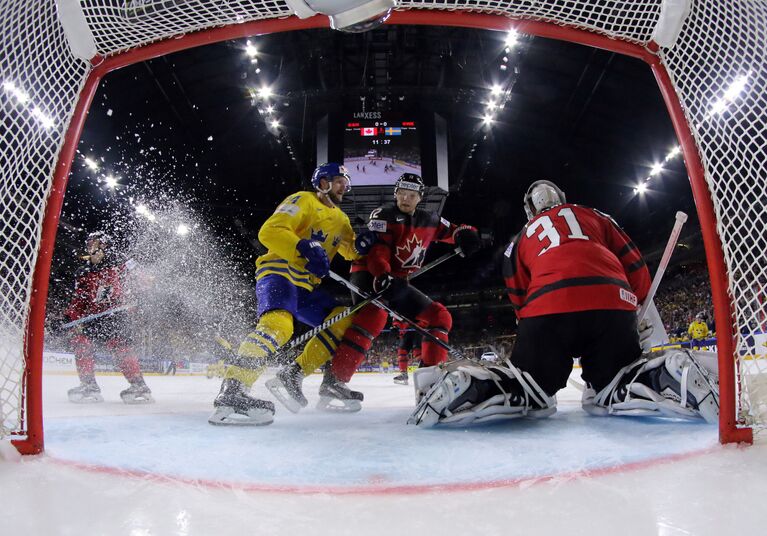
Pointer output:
x,y
89,318
681,218
284,350
397,316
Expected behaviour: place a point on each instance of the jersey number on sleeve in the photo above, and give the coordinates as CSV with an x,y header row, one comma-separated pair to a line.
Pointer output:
x,y
549,231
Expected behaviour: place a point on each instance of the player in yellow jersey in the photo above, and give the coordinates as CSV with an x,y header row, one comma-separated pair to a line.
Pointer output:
x,y
302,236
698,331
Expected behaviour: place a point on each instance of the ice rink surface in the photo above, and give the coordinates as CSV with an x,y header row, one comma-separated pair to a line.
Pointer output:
x,y
161,469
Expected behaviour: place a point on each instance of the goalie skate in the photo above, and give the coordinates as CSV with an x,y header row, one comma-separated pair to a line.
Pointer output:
x,y
335,396
85,393
286,387
234,407
137,393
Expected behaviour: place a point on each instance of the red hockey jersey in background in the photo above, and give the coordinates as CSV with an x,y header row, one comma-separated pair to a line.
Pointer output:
x,y
97,289
572,258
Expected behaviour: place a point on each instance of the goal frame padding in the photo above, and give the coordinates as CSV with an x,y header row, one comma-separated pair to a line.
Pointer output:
x,y
728,430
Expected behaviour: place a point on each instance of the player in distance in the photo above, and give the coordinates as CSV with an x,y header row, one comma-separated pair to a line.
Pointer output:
x,y
404,233
576,281
302,236
99,288
410,341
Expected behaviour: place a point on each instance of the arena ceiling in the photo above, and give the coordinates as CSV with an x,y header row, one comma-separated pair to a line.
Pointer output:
x,y
593,121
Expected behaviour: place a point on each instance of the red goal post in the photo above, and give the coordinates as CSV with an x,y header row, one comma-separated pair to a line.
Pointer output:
x,y
49,81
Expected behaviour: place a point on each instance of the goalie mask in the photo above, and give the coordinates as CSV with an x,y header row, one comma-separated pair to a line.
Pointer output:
x,y
540,196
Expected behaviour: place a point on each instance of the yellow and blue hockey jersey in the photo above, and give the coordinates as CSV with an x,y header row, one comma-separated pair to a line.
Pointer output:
x,y
302,216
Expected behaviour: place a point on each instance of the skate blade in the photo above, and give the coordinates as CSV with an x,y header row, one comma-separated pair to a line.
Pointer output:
x,y
228,417
401,382
334,405
280,393
94,399
131,400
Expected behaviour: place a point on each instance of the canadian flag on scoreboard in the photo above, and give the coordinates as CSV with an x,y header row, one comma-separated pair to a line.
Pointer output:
x,y
368,131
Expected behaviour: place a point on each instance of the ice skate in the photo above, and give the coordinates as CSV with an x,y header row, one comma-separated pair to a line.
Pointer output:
x,y
235,407
88,392
137,393
336,396
286,387
401,379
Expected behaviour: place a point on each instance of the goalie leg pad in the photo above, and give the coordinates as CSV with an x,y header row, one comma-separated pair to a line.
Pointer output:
x,y
673,383
465,391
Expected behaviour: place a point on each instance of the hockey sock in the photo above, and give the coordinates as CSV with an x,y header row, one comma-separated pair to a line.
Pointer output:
x,y
438,321
322,346
357,340
274,329
402,359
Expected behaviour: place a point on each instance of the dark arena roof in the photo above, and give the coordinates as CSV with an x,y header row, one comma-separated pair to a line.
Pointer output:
x,y
199,125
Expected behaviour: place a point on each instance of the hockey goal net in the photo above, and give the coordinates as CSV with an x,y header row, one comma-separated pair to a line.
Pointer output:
x,y
712,73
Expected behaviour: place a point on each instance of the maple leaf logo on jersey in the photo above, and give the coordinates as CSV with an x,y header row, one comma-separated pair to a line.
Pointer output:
x,y
319,236
412,254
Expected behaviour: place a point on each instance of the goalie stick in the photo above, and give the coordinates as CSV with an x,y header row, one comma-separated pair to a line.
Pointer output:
x,y
374,299
287,348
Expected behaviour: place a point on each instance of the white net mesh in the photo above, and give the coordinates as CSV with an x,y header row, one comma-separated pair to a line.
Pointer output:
x,y
722,47
718,69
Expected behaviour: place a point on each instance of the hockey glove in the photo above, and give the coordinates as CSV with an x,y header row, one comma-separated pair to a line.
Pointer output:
x,y
645,330
393,286
317,261
365,241
467,238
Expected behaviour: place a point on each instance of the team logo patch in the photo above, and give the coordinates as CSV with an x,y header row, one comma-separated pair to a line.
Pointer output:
x,y
287,209
628,297
412,254
379,226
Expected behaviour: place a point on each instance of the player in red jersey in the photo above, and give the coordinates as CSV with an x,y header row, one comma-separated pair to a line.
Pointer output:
x,y
410,340
404,233
576,281
99,288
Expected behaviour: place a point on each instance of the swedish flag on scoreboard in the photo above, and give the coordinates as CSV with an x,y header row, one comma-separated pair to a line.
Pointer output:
x,y
393,131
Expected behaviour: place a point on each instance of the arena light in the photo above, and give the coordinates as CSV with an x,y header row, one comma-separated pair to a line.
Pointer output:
x,y
264,93
656,168
491,105
673,153
641,188
269,110
182,229
511,38
17,93
275,124
732,93
46,121
141,209
488,119
111,181
250,50
496,90
91,163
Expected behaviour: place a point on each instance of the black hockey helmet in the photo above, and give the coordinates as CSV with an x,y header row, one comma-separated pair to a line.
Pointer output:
x,y
410,181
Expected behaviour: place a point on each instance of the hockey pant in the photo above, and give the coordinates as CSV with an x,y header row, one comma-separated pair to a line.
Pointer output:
x,y
274,329
672,383
370,321
125,359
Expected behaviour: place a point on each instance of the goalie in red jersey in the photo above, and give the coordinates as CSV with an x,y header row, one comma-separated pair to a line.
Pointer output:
x,y
404,233
576,281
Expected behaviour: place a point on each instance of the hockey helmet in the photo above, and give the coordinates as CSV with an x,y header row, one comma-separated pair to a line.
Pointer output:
x,y
410,181
328,172
540,196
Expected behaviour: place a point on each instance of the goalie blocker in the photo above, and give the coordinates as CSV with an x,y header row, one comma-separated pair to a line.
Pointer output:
x,y
669,383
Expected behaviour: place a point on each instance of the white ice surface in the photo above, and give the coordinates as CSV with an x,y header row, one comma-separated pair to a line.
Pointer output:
x,y
161,469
